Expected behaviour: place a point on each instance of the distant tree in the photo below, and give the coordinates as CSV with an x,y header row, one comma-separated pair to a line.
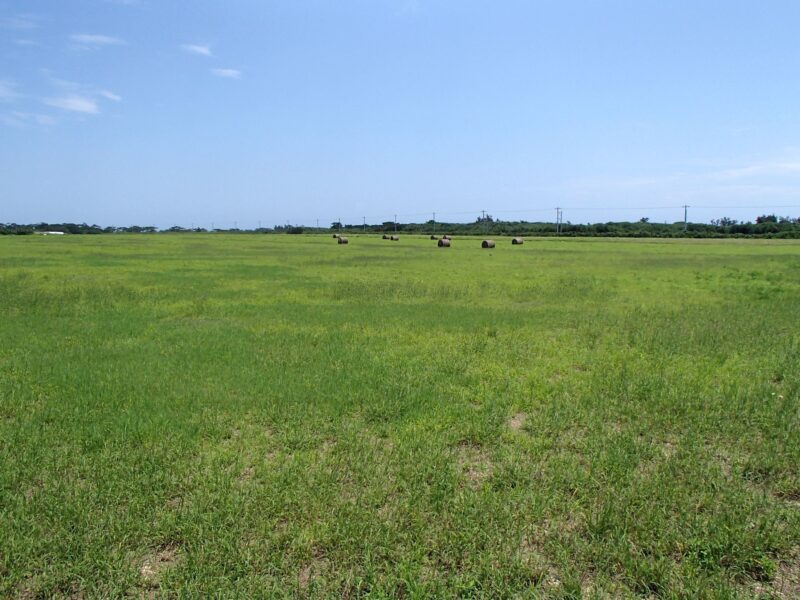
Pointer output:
x,y
766,219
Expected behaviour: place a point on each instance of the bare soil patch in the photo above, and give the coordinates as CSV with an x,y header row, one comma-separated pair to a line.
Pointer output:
x,y
154,565
786,585
517,422
475,464
312,570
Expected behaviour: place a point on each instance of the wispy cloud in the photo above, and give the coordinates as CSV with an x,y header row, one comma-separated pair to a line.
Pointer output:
x,y
21,119
26,42
74,103
91,41
109,95
23,22
80,98
7,91
227,73
197,49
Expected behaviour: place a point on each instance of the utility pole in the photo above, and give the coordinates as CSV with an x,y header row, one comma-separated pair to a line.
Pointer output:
x,y
365,224
317,223
685,215
395,223
434,223
558,220
340,224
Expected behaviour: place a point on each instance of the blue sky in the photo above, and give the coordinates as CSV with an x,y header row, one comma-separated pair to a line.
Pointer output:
x,y
192,113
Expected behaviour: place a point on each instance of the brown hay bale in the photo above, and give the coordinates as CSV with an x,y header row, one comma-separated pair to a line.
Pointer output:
x,y
433,237
342,240
395,238
487,244
444,243
516,241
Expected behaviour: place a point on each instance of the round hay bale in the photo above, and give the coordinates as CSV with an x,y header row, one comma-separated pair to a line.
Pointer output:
x,y
395,238
433,237
336,235
516,241
444,243
446,237
385,237
342,240
487,244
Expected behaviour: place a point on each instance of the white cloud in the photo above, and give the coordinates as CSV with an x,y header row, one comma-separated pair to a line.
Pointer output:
x,y
74,103
19,22
11,121
77,97
197,49
90,40
25,117
227,73
109,95
7,91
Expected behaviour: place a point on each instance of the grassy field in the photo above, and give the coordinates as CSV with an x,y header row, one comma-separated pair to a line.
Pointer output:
x,y
281,416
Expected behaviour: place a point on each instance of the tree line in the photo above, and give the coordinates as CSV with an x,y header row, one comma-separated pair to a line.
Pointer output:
x,y
770,226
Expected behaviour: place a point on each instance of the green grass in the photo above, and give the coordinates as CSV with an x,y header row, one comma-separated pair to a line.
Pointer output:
x,y
281,416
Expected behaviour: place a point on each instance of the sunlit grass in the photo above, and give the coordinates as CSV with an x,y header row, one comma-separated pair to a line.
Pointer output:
x,y
283,416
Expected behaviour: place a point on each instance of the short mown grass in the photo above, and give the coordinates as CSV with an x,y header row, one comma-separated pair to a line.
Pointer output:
x,y
282,416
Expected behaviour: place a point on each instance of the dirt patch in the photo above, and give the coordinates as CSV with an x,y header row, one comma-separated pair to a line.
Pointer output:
x,y
669,448
532,552
381,444
648,467
153,566
247,473
475,464
27,589
792,498
787,580
175,503
786,584
312,570
517,422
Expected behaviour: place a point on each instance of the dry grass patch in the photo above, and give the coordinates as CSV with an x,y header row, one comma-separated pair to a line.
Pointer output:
x,y
786,584
247,473
517,422
154,565
475,464
787,580
312,570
